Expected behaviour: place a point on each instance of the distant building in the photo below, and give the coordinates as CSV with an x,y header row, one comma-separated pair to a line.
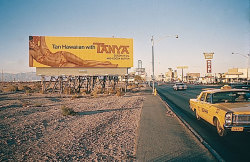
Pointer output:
x,y
237,75
161,77
193,77
219,77
20,77
171,75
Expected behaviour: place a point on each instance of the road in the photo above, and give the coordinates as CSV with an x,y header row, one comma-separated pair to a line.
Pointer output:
x,y
233,147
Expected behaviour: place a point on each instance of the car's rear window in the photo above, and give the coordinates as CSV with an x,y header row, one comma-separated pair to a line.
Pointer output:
x,y
231,97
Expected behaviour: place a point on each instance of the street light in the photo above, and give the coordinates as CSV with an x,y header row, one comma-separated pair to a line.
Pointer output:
x,y
153,69
246,56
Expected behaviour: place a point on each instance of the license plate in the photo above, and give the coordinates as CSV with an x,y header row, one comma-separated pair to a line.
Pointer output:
x,y
237,129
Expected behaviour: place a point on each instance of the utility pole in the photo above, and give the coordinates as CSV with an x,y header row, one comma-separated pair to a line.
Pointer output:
x,y
248,57
153,66
2,75
153,76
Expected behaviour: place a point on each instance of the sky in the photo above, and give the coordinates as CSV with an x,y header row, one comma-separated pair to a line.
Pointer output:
x,y
218,26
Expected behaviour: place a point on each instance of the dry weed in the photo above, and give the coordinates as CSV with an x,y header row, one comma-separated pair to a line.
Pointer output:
x,y
119,92
24,103
76,96
94,93
67,111
11,88
38,105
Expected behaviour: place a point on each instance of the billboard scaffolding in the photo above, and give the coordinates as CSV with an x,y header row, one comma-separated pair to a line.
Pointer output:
x,y
80,84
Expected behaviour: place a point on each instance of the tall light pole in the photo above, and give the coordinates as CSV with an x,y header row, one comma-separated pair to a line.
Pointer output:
x,y
2,75
246,56
153,69
153,65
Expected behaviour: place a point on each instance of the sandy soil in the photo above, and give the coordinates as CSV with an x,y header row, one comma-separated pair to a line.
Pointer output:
x,y
32,127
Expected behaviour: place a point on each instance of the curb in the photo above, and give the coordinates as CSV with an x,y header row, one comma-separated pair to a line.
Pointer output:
x,y
202,141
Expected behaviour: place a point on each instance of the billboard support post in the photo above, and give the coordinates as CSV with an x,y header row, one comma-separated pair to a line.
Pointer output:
x,y
43,84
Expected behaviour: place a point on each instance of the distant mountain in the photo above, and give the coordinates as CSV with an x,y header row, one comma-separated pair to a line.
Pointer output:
x,y
29,76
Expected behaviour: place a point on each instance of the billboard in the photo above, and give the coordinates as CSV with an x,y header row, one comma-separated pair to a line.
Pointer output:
x,y
79,52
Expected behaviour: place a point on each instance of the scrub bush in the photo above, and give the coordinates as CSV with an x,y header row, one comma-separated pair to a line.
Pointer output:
x,y
67,111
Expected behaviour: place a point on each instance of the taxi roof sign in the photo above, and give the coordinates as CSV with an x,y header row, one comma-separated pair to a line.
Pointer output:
x,y
225,87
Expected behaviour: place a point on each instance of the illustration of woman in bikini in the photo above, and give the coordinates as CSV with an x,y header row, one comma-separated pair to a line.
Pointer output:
x,y
39,51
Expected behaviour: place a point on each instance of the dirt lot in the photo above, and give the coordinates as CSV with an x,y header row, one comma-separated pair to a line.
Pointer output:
x,y
104,128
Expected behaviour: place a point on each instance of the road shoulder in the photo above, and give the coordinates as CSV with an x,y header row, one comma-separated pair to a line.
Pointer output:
x,y
162,137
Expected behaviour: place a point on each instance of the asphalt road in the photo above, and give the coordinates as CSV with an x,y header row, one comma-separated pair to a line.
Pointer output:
x,y
234,147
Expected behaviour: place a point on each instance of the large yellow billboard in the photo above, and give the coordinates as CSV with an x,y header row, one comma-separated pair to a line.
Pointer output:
x,y
46,51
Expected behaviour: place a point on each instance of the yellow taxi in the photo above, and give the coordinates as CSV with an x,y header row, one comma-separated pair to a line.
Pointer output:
x,y
226,108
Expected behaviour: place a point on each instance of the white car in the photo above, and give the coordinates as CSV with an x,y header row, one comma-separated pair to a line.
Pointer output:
x,y
179,86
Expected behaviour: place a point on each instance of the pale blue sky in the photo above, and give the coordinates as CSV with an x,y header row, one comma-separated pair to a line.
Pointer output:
x,y
219,26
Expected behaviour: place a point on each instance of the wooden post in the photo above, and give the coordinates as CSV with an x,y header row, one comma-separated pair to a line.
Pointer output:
x,y
103,83
60,84
43,84
54,87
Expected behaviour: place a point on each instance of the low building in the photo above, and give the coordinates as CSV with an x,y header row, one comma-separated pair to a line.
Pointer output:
x,y
171,75
193,77
161,78
237,75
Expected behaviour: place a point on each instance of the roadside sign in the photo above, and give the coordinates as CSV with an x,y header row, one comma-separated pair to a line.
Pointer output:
x,y
80,52
208,55
182,67
209,66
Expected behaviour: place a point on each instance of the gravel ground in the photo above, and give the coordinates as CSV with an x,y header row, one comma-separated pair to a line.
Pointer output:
x,y
32,127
